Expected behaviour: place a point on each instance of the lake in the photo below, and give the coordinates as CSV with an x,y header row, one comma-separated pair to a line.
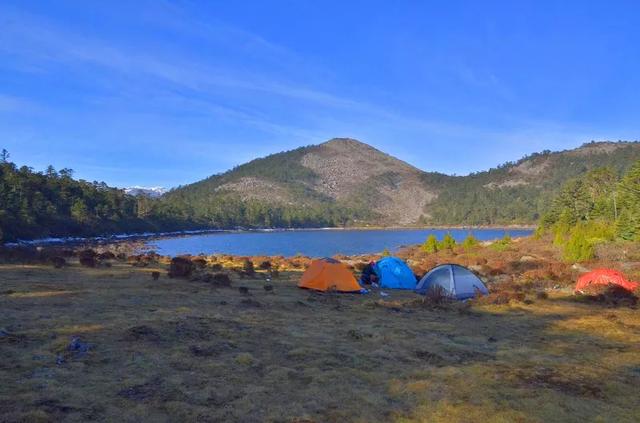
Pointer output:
x,y
314,243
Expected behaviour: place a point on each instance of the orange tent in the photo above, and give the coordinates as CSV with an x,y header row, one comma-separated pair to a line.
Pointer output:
x,y
326,274
604,277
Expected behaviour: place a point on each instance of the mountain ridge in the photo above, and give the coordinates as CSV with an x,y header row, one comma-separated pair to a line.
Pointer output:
x,y
368,186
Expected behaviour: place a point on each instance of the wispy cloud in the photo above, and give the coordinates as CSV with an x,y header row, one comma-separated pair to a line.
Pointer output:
x,y
10,103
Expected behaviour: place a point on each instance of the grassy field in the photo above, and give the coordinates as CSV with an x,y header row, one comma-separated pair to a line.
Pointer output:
x,y
111,343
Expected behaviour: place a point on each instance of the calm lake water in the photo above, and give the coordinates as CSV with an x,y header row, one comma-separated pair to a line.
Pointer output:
x,y
314,243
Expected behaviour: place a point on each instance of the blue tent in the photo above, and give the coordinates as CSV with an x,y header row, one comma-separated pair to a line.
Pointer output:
x,y
394,273
456,281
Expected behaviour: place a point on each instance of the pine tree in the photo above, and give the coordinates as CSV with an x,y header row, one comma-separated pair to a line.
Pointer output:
x,y
448,242
4,156
430,246
470,242
628,224
579,247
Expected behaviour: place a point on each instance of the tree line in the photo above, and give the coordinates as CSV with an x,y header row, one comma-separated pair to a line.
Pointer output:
x,y
52,203
595,208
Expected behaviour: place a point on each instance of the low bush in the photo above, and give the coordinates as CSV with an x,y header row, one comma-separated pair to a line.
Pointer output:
x,y
180,267
502,244
265,265
199,262
247,267
221,279
542,295
612,295
437,295
58,262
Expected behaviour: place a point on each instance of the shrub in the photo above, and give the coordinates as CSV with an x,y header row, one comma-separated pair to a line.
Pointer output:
x,y
613,295
430,246
155,275
447,243
180,267
542,295
221,279
578,248
88,261
469,243
437,295
199,262
107,255
245,359
247,267
58,262
265,265
502,244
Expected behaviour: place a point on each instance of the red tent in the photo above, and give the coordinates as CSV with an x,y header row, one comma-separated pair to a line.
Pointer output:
x,y
604,277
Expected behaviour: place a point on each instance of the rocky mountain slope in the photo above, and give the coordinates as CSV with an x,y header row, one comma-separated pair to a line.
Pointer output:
x,y
358,184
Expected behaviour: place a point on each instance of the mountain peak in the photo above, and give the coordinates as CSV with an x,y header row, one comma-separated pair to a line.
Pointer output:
x,y
345,141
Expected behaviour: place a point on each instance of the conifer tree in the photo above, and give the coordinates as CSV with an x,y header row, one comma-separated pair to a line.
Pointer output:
x,y
430,246
448,242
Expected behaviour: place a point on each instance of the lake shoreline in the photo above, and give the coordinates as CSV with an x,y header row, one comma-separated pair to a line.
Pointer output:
x,y
149,236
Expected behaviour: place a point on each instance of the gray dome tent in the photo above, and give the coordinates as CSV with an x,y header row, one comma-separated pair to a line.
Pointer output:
x,y
456,281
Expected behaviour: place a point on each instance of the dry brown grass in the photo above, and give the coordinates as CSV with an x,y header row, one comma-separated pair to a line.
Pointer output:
x,y
187,350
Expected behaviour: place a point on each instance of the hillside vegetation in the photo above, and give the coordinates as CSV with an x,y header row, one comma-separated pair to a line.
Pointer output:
x,y
342,182
355,183
53,203
593,209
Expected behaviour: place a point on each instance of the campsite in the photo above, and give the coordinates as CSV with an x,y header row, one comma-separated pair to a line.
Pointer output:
x,y
319,211
240,342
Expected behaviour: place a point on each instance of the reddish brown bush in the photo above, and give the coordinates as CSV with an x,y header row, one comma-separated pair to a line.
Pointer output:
x,y
180,267
58,262
87,258
265,265
221,279
107,255
199,262
247,267
437,295
612,295
542,295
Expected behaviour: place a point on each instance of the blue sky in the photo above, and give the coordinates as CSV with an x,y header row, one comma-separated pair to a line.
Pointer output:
x,y
166,93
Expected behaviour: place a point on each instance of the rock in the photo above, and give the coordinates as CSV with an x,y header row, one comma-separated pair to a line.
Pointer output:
x,y
527,259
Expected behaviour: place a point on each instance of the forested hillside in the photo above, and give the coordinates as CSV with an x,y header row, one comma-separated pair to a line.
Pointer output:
x,y
339,183
597,207
52,203
521,192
